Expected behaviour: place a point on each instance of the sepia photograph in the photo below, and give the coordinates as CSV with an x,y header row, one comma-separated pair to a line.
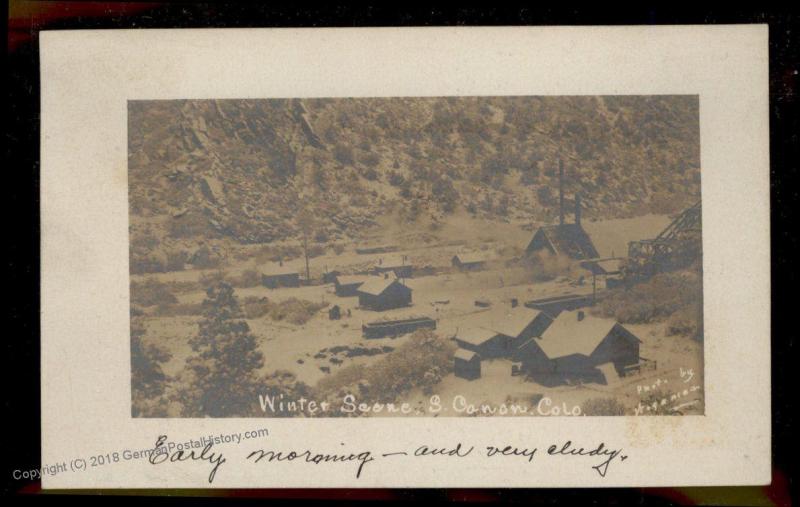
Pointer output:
x,y
416,257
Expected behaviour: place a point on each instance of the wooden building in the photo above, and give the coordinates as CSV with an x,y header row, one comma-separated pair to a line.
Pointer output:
x,y
575,345
570,240
381,293
397,265
519,325
347,285
469,261
275,276
466,364
485,342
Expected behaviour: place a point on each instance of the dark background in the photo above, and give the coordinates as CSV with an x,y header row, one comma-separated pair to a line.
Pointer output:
x,y
21,415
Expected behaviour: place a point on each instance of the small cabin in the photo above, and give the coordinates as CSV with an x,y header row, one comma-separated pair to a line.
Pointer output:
x,y
381,293
397,265
469,261
280,276
466,364
347,285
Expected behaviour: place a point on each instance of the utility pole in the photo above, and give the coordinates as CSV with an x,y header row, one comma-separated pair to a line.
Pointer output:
x,y
305,251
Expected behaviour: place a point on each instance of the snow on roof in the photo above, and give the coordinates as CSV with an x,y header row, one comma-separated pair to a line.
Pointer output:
x,y
351,279
476,336
567,335
513,322
464,355
376,285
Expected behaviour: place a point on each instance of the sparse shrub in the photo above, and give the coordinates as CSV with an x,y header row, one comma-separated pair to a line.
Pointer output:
x,y
142,263
248,278
190,225
179,309
687,321
205,258
176,260
295,311
343,154
371,160
602,406
654,299
421,363
395,178
151,292
255,307
212,277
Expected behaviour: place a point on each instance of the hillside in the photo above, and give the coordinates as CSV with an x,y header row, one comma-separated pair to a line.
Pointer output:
x,y
243,171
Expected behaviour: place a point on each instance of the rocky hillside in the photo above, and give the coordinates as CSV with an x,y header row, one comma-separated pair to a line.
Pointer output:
x,y
245,170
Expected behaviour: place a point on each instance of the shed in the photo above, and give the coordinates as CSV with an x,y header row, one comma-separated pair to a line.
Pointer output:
x,y
469,261
397,265
380,293
484,341
347,285
276,275
466,364
576,344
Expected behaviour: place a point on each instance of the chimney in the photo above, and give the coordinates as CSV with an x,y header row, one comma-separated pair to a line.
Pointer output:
x,y
578,209
581,315
560,192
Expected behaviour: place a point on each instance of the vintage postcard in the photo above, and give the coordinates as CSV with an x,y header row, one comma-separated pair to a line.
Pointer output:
x,y
528,257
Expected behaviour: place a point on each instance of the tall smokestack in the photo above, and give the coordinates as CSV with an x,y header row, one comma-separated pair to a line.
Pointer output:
x,y
560,192
578,209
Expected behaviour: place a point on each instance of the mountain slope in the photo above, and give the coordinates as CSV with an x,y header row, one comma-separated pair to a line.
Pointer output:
x,y
245,170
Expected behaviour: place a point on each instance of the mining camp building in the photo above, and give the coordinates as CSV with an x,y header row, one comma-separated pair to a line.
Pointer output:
x,y
280,276
576,345
381,293
469,261
397,265
484,342
519,325
504,333
347,285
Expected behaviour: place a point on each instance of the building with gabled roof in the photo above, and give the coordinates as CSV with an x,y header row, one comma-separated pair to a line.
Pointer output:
x,y
576,344
347,285
398,265
570,240
469,261
381,293
520,324
278,275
